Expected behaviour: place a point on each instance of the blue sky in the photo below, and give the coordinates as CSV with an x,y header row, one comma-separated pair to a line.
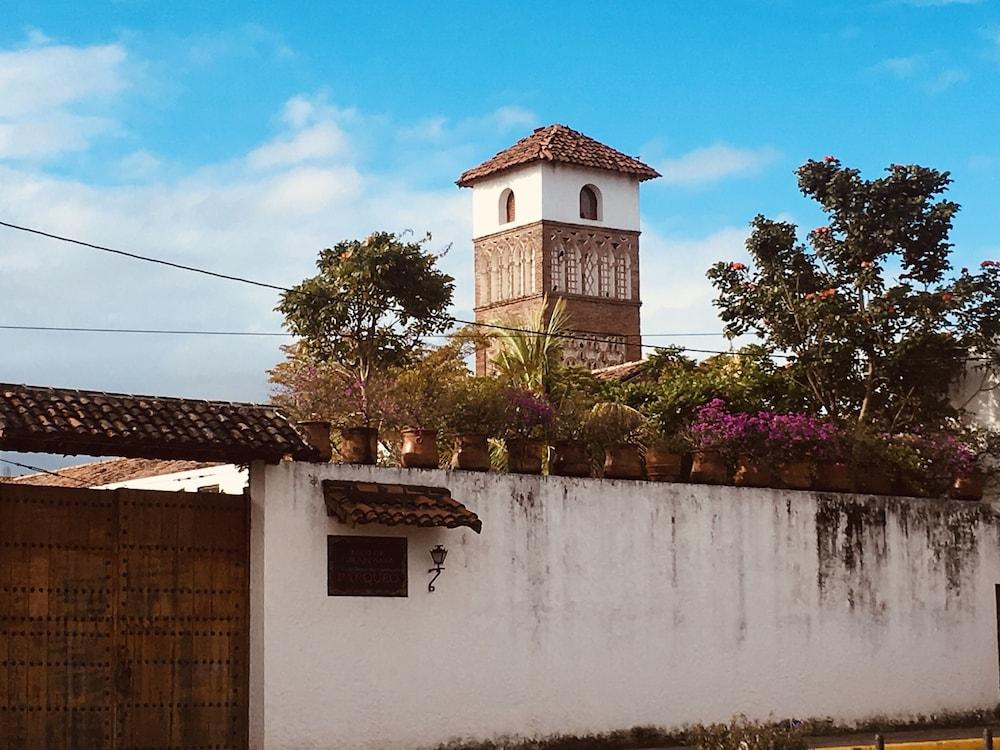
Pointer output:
x,y
244,137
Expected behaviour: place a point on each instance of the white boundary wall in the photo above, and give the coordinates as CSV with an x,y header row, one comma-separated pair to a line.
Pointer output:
x,y
591,605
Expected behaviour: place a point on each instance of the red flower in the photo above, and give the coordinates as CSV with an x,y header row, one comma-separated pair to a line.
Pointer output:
x,y
829,158
821,230
947,297
989,264
867,263
737,266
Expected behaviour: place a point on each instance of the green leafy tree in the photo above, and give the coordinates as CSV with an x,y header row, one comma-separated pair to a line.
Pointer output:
x,y
368,309
877,329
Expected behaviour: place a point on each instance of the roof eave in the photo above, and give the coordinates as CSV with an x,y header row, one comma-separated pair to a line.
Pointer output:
x,y
467,182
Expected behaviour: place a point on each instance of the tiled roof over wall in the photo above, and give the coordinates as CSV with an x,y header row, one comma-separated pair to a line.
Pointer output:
x,y
558,143
62,420
99,473
396,504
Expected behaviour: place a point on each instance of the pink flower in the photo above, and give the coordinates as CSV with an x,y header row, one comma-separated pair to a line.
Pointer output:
x,y
821,230
828,158
989,264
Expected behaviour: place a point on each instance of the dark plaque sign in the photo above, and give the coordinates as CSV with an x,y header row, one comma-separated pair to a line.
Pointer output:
x,y
366,565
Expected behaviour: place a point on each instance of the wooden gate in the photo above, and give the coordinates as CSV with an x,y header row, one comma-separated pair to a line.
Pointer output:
x,y
123,619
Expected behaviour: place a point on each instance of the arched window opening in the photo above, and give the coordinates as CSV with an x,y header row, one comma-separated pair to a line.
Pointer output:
x,y
507,211
590,203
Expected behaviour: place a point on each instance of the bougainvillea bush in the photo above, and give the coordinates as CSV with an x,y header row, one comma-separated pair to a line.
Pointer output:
x,y
764,434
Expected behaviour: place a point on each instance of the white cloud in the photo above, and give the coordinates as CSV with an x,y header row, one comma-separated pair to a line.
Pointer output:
x,y
324,140
930,73
139,165
49,95
308,190
945,80
231,217
901,67
44,136
711,164
40,79
677,297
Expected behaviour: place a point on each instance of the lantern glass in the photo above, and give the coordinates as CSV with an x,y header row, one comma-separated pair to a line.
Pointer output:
x,y
438,554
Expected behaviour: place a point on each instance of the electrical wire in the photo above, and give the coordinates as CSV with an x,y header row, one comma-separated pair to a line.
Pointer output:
x,y
40,470
495,326
145,258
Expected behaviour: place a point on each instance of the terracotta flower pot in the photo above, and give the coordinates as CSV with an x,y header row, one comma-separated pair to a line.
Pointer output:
x,y
875,481
359,445
524,456
420,450
752,472
709,467
569,459
664,466
910,486
472,453
967,488
795,475
833,476
622,461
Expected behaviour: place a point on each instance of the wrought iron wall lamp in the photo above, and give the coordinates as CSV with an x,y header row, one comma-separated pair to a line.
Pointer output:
x,y
438,554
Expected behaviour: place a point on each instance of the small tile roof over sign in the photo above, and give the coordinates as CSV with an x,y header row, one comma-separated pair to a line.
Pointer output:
x,y
396,504
93,423
558,143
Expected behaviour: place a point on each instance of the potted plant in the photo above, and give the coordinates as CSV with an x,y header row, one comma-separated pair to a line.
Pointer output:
x,y
477,410
971,466
668,443
368,309
569,456
529,416
712,434
309,389
878,459
617,429
724,439
798,440
420,396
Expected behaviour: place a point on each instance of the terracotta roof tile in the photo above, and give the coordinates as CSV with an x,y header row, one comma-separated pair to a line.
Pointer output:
x,y
99,473
393,505
558,143
62,420
625,372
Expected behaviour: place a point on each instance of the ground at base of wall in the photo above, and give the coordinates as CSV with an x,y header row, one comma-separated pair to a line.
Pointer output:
x,y
818,733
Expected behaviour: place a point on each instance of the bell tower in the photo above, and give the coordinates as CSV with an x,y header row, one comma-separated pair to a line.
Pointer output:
x,y
557,215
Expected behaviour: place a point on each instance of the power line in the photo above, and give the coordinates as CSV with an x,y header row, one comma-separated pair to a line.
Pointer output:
x,y
40,470
193,269
154,331
145,258
188,332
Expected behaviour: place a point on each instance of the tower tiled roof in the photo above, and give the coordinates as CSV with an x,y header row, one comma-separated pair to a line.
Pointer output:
x,y
558,143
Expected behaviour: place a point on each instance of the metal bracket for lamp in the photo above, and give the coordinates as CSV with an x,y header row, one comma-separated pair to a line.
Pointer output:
x,y
438,554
